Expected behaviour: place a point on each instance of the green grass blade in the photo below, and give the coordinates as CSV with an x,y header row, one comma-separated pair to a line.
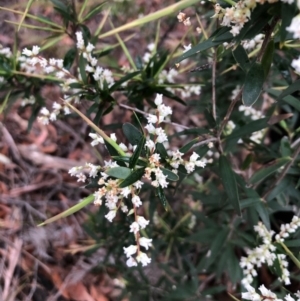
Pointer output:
x,y
69,211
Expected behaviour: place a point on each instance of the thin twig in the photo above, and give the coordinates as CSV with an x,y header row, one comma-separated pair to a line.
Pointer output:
x,y
206,141
229,111
213,97
266,39
284,172
144,113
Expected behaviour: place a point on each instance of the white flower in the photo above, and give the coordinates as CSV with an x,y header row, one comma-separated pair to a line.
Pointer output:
x,y
111,215
161,135
189,166
289,298
123,147
177,155
150,128
158,99
142,222
125,191
145,242
113,137
143,259
295,27
251,294
150,144
138,184
134,227
80,41
194,157
296,64
96,139
187,48
27,52
130,250
90,47
152,118
131,262
136,201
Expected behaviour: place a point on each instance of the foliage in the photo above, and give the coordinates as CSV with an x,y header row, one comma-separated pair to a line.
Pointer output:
x,y
203,198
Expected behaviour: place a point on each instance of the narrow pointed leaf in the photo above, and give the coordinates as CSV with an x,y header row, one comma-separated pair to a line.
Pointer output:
x,y
241,57
253,84
126,159
170,174
229,183
188,146
162,197
295,86
94,11
69,211
133,177
119,172
267,58
267,171
135,156
132,134
82,64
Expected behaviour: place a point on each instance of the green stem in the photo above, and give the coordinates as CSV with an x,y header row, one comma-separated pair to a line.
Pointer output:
x,y
99,131
290,254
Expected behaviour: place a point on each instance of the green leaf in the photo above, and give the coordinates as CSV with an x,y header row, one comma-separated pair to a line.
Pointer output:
x,y
267,171
291,100
241,57
94,11
288,11
267,58
230,186
245,203
213,41
82,65
248,129
263,213
253,84
69,211
132,134
133,177
293,243
161,150
162,197
69,58
188,146
137,152
126,159
123,80
170,174
217,246
119,172
295,86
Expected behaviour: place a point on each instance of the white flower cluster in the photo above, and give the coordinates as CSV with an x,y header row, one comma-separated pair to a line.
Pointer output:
x,y
251,112
116,198
296,64
256,42
294,27
28,101
287,229
31,59
5,51
169,77
100,74
239,14
266,254
265,295
182,18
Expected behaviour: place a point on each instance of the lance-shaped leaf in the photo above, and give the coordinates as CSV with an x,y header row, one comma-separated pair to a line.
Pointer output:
x,y
161,150
295,86
94,11
69,211
132,133
267,171
188,146
82,64
170,174
229,183
126,159
119,172
253,84
267,58
137,152
162,197
133,177
241,57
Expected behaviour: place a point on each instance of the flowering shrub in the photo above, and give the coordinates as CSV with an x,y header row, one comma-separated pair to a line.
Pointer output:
x,y
212,150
